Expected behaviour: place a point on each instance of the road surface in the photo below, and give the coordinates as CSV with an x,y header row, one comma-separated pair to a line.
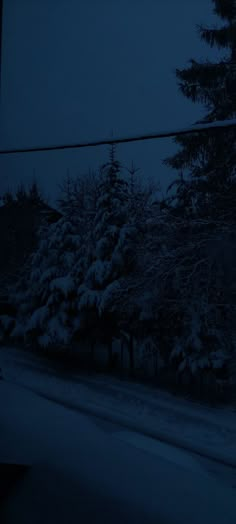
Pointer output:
x,y
85,470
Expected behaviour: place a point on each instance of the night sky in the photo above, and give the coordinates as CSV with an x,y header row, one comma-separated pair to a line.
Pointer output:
x,y
82,69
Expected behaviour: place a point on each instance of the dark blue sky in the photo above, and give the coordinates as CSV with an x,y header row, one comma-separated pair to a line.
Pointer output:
x,y
78,69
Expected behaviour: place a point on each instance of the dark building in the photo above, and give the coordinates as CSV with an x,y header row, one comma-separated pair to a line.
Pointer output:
x,y
19,223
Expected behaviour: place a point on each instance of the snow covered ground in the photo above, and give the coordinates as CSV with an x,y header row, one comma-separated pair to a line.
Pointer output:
x,y
82,472
210,432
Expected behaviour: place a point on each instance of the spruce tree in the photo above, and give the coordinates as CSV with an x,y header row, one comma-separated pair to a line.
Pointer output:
x,y
109,255
45,297
34,194
209,158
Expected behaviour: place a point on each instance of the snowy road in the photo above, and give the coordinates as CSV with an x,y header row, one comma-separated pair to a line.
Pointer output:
x,y
208,432
91,471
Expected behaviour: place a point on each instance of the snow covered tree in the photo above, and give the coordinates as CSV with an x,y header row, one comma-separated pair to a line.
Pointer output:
x,y
34,194
7,198
209,158
21,193
204,270
183,291
46,294
22,196
78,201
135,303
110,254
70,285
197,277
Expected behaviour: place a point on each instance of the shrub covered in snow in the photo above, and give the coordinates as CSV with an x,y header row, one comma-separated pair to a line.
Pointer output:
x,y
46,296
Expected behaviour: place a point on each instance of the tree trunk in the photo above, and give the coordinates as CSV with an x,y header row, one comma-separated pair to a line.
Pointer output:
x,y
131,354
156,363
110,354
122,343
92,351
122,354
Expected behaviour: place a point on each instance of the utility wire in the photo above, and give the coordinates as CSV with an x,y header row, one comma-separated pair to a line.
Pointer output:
x,y
122,140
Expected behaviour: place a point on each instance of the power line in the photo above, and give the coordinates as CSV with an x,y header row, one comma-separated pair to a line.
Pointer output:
x,y
122,140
